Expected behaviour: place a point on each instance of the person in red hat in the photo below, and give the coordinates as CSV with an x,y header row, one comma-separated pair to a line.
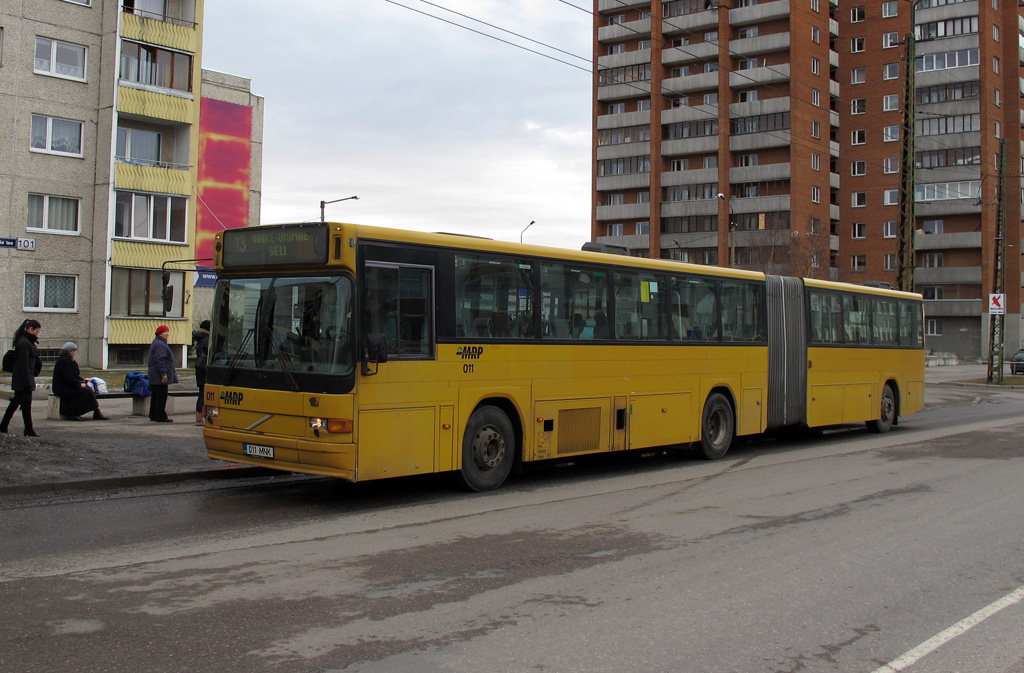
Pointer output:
x,y
161,375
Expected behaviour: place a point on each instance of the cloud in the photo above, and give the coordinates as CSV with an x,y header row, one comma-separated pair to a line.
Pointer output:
x,y
434,127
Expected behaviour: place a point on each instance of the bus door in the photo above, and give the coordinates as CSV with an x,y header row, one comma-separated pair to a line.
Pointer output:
x,y
787,352
400,422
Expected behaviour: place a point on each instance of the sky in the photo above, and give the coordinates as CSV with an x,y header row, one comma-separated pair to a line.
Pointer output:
x,y
433,127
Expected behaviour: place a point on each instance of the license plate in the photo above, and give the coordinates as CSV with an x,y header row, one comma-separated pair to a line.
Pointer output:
x,y
258,450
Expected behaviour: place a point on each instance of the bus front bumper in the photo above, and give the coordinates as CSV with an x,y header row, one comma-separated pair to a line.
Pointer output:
x,y
288,453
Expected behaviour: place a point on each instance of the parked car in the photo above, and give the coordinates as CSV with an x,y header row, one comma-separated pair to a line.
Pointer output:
x,y
1017,363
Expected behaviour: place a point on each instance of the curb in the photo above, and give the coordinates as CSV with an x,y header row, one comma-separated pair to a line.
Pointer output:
x,y
139,480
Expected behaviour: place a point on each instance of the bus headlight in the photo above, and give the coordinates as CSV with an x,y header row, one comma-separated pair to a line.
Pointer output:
x,y
333,425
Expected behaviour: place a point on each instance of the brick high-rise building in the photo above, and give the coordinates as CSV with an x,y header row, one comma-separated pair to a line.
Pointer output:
x,y
766,135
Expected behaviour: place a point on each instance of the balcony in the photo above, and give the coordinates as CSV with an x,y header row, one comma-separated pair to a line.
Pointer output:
x,y
930,209
759,141
763,173
610,183
685,208
627,211
681,146
613,92
762,44
638,57
152,105
689,113
702,51
613,6
760,107
745,16
760,204
155,179
636,118
952,308
624,31
958,241
623,150
697,21
691,177
772,74
833,180
703,81
172,32
947,275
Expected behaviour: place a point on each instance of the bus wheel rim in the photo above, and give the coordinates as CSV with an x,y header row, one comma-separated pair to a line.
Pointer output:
x,y
888,407
716,427
488,448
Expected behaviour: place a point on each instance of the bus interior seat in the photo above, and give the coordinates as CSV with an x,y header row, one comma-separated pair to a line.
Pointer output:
x,y
482,327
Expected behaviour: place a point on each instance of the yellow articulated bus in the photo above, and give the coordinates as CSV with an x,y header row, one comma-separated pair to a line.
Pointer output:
x,y
364,353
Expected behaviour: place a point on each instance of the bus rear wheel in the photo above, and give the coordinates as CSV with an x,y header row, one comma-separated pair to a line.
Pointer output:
x,y
717,427
488,449
888,412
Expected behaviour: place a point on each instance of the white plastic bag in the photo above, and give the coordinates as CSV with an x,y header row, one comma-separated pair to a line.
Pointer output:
x,y
99,386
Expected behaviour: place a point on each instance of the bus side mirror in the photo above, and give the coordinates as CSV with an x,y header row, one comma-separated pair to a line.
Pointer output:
x,y
376,351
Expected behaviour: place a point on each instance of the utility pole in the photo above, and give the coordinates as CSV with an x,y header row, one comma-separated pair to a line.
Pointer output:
x,y
995,340
907,224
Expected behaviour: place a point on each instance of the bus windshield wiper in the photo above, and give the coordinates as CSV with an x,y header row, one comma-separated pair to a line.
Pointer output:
x,y
238,354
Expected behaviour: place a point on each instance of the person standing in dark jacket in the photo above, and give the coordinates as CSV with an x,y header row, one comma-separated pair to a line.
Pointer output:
x,y
201,338
75,393
23,380
161,375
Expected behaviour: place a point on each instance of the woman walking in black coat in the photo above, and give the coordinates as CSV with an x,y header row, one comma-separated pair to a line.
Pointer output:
x,y
23,380
75,393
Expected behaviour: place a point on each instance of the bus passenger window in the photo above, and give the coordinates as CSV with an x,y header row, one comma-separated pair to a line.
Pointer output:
x,y
639,306
741,311
399,306
493,297
573,302
700,317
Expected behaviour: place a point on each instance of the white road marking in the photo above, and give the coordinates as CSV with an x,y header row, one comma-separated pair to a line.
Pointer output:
x,y
911,657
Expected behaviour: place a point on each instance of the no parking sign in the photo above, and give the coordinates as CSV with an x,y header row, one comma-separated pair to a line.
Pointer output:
x,y
997,304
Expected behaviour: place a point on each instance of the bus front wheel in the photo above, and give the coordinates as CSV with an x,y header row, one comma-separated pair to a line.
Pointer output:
x,y
488,449
717,427
888,412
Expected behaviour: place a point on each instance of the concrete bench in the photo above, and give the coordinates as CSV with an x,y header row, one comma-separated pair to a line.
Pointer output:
x,y
140,405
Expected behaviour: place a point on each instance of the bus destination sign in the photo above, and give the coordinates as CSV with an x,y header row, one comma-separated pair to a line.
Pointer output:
x,y
275,246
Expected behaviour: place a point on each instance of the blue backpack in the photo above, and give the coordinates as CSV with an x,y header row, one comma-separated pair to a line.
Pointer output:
x,y
137,383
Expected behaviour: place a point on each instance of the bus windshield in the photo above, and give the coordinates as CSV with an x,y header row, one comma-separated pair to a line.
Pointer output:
x,y
285,324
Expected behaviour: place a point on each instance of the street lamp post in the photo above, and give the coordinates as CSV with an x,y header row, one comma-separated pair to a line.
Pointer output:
x,y
324,203
524,230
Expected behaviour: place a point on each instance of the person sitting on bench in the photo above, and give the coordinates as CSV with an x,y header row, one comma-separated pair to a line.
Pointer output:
x,y
75,393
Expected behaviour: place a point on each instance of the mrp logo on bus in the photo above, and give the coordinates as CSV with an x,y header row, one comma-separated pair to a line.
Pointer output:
x,y
227,397
470,352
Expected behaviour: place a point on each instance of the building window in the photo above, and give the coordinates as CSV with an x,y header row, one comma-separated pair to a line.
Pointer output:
x,y
710,161
153,66
711,36
61,59
86,3
748,64
891,165
746,160
891,134
931,260
138,147
858,137
680,164
815,194
860,229
858,75
643,228
859,199
681,71
995,32
616,108
998,98
709,98
998,128
710,67
933,327
815,7
932,292
54,214
815,35
932,226
857,14
748,96
138,293
151,217
50,292
57,136
889,229
815,226
890,197
617,48
889,262
891,71
614,199
616,19
995,64
858,168
643,44
748,32
643,197
815,161
890,40
815,98
815,129
860,263
615,229
890,9
858,106
857,45
891,102
642,105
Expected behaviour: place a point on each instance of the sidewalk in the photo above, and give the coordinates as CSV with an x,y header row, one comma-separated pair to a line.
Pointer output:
x,y
130,450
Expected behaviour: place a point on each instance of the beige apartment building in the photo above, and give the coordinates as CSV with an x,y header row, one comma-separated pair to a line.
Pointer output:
x,y
100,158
